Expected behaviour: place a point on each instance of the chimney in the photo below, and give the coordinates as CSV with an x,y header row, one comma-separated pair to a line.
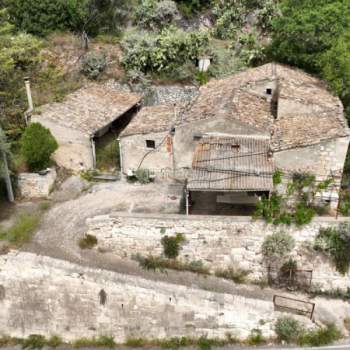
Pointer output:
x,y
29,111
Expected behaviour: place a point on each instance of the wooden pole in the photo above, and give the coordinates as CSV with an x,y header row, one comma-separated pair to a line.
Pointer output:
x,y
10,194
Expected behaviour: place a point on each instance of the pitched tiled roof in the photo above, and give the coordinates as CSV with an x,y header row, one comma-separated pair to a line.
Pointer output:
x,y
89,109
238,163
237,98
151,120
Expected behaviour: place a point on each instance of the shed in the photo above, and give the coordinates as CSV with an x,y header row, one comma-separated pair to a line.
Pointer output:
x,y
82,117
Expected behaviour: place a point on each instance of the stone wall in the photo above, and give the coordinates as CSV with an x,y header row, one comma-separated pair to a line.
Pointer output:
x,y
219,242
33,185
41,295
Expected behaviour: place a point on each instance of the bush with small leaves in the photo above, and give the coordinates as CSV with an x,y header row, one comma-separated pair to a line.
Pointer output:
x,y
93,64
256,337
87,242
34,342
37,146
277,245
143,176
288,329
320,337
172,245
335,242
152,14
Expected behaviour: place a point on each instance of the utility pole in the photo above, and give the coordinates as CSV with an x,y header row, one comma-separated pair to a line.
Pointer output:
x,y
7,177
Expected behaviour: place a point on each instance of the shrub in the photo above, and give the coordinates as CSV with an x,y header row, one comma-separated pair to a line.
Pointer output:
x,y
335,242
303,214
143,176
153,14
87,242
202,78
238,275
34,342
54,341
37,146
105,341
288,329
320,337
347,323
93,64
277,177
43,16
205,343
172,245
256,337
162,52
277,245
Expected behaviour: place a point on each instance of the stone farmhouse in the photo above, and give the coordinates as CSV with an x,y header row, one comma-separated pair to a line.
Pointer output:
x,y
228,141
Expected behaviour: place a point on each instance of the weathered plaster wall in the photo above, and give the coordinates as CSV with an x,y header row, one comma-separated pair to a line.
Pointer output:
x,y
324,159
74,151
184,142
41,295
134,149
33,185
220,242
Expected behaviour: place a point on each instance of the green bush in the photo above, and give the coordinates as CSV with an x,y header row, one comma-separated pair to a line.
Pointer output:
x,y
37,146
163,52
93,64
277,245
87,242
335,242
34,342
135,342
288,329
256,337
238,275
54,341
172,245
143,176
152,14
320,337
43,16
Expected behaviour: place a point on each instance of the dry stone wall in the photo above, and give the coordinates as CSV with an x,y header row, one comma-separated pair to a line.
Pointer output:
x,y
41,295
219,242
33,185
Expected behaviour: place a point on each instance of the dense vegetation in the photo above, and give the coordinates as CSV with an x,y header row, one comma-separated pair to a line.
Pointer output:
x,y
162,40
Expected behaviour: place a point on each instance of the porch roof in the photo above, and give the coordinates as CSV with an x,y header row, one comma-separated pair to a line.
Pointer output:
x,y
235,163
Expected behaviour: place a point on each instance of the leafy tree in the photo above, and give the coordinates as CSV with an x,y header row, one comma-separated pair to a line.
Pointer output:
x,y
314,35
43,16
18,56
37,145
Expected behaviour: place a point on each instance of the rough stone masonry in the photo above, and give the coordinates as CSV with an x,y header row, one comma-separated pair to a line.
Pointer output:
x,y
219,242
41,295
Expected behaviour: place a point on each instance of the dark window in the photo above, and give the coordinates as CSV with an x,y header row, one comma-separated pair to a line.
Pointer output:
x,y
269,91
150,144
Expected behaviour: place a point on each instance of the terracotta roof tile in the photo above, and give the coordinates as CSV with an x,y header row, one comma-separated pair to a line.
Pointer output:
x,y
89,109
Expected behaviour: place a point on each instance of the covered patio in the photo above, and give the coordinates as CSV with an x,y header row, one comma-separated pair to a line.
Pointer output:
x,y
229,175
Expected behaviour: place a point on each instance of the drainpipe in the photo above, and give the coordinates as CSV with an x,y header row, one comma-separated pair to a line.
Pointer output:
x,y
29,111
93,150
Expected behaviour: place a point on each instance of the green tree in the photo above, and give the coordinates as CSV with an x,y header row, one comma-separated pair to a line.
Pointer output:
x,y
37,145
43,16
314,35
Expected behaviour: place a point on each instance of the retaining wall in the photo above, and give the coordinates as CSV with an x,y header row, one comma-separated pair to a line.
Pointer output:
x,y
219,242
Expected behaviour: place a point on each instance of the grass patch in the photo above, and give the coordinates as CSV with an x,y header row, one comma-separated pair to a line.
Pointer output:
x,y
256,337
33,342
154,263
235,274
101,341
54,341
320,337
135,342
87,242
22,230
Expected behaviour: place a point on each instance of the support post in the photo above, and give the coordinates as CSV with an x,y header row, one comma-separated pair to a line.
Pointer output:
x,y
187,203
93,149
10,194
120,156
